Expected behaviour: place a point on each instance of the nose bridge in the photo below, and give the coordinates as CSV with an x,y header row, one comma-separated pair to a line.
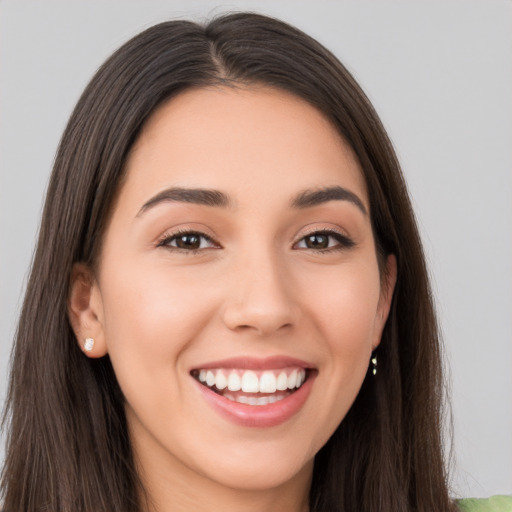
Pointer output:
x,y
259,298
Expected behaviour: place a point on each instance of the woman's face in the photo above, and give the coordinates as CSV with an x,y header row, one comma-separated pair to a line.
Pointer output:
x,y
239,253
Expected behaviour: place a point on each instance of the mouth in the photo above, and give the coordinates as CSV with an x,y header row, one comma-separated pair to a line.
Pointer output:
x,y
255,392
252,387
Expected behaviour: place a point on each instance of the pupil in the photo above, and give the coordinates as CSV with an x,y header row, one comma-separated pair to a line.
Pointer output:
x,y
188,242
317,241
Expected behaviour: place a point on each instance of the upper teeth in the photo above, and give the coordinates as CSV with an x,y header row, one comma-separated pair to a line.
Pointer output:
x,y
249,381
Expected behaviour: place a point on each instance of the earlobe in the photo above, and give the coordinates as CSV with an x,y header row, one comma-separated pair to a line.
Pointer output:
x,y
85,311
386,296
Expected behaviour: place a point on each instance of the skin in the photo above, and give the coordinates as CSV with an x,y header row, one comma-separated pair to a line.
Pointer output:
x,y
257,290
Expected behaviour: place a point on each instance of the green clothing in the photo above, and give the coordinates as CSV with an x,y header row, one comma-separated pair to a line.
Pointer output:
x,y
494,504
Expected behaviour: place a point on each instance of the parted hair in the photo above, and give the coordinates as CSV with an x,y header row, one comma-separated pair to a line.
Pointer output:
x,y
68,448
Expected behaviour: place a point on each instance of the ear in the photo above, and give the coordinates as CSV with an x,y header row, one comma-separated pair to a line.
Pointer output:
x,y
85,311
386,296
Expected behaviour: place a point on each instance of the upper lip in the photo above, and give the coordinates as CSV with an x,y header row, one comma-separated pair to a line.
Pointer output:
x,y
256,363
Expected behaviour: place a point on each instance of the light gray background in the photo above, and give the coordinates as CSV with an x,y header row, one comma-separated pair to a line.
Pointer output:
x,y
440,75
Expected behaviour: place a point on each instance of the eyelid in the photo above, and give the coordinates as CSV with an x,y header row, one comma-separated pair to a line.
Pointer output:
x,y
344,240
185,228
322,228
175,233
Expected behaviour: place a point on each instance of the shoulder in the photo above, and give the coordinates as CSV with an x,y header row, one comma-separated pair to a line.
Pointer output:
x,y
494,504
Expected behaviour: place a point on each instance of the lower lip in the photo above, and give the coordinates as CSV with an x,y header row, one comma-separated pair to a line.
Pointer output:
x,y
259,416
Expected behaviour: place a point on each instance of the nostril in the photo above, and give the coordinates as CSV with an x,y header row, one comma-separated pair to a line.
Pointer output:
x,y
263,329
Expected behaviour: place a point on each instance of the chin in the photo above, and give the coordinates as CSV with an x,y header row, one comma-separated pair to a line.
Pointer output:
x,y
262,474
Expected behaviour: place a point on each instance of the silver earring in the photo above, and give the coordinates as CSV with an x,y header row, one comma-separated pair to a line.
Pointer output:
x,y
88,344
374,365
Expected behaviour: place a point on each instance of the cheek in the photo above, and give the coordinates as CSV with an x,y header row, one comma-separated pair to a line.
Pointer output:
x,y
344,310
151,300
345,306
149,318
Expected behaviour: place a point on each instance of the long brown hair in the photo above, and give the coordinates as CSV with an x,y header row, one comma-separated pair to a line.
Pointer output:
x,y
68,449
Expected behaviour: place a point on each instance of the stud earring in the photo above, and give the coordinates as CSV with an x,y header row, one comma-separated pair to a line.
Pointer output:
x,y
374,365
88,344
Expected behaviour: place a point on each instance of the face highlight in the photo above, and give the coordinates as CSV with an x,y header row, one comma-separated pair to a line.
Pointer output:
x,y
238,292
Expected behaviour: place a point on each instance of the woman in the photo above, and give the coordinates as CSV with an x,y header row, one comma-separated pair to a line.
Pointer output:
x,y
229,305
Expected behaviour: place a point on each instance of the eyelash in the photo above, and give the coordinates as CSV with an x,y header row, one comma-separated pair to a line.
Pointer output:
x,y
343,242
167,239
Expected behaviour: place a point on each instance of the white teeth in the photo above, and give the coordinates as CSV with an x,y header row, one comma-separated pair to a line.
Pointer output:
x,y
234,382
220,380
210,378
268,383
282,382
252,400
292,379
250,382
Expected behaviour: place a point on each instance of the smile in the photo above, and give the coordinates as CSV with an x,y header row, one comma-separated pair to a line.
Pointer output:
x,y
252,387
255,392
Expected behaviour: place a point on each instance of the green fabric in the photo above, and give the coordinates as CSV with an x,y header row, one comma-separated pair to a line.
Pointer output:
x,y
494,504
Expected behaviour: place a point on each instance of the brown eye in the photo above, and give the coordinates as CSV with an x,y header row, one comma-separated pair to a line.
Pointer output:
x,y
324,241
188,241
317,241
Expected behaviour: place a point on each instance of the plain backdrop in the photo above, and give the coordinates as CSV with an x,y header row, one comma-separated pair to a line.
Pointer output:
x,y
439,74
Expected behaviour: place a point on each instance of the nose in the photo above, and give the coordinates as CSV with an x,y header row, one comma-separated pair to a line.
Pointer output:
x,y
260,297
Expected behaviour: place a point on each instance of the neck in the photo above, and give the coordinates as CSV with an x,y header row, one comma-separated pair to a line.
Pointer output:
x,y
176,497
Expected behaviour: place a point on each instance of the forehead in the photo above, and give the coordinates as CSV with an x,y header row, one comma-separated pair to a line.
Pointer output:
x,y
236,139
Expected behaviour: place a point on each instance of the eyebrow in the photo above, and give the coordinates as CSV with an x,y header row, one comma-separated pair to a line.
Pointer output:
x,y
310,198
216,198
200,196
